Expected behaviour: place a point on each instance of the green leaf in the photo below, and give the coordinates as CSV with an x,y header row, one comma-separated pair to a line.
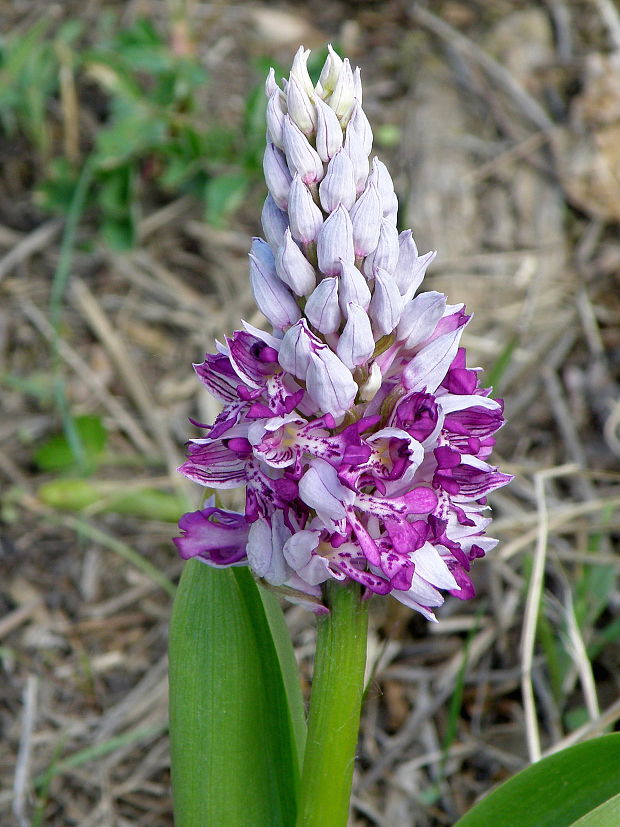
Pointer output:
x,y
556,792
57,454
119,233
224,195
281,638
493,377
112,498
604,815
232,749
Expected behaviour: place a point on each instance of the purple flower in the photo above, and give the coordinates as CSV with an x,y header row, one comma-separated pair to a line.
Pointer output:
x,y
360,435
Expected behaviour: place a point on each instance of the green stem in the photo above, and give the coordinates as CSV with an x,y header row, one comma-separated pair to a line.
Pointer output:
x,y
335,706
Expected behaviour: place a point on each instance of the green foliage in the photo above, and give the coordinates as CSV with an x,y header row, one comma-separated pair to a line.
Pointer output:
x,y
152,137
577,786
234,744
145,503
57,453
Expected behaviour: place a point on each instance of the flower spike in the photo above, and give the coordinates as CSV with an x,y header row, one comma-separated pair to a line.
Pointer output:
x,y
361,437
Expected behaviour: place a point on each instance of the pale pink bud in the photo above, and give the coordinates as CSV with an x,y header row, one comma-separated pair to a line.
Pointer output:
x,y
270,83
338,186
329,73
295,349
341,99
366,217
357,85
322,309
354,146
385,254
419,318
299,71
264,549
361,126
386,304
328,131
300,107
382,178
301,157
353,287
329,383
304,215
294,268
277,175
410,268
274,221
275,119
356,344
335,242
418,272
273,297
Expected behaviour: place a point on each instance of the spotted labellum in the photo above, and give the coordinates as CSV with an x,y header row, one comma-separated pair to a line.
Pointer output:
x,y
361,436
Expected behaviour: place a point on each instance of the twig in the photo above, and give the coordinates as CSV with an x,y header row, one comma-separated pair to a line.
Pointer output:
x,y
502,77
75,361
33,243
24,753
611,19
136,386
532,608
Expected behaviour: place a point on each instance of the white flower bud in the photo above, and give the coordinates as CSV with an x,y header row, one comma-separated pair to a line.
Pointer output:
x,y
328,131
386,305
366,217
274,221
385,254
341,99
335,242
277,175
356,344
300,156
300,107
353,287
338,186
305,217
329,73
322,309
294,268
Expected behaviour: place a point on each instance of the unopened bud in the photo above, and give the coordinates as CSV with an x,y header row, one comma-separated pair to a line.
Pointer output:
x,y
301,157
341,99
382,178
353,287
275,119
335,242
328,131
274,221
300,107
299,70
273,297
294,268
356,344
385,254
338,186
304,215
366,217
277,175
329,73
355,147
386,305
322,307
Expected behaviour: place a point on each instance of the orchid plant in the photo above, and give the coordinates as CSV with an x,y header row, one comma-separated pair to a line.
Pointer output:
x,y
362,440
